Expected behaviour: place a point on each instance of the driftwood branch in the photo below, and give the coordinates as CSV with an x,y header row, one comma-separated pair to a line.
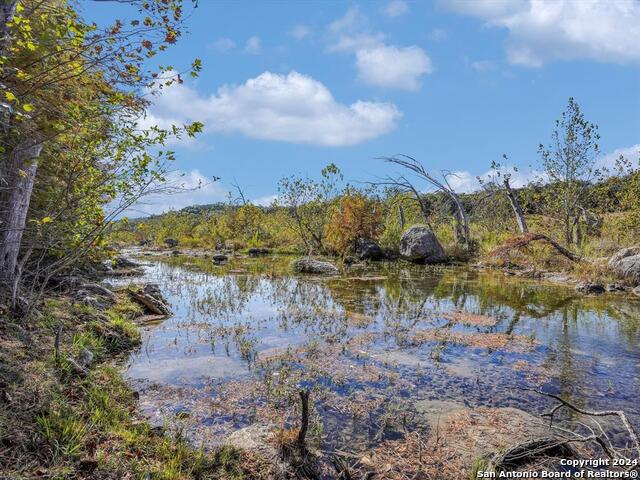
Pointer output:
x,y
594,413
304,422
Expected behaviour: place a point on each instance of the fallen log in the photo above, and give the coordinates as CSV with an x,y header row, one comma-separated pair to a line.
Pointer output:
x,y
524,240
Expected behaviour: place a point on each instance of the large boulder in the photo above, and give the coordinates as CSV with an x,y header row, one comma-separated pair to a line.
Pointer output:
x,y
310,265
367,249
419,244
171,242
626,264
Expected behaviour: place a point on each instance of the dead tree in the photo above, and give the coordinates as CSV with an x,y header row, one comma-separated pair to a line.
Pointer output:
x,y
515,205
462,218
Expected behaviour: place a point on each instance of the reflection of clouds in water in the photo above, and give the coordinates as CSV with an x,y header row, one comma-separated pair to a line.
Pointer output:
x,y
221,315
187,370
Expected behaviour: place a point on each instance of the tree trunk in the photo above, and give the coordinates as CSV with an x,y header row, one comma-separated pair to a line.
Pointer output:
x,y
7,9
462,218
17,184
401,214
517,208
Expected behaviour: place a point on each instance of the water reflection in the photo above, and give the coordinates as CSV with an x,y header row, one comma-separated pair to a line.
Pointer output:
x,y
374,343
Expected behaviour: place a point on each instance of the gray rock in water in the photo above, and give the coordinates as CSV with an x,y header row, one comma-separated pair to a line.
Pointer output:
x,y
254,252
614,287
419,244
589,288
626,264
309,265
367,249
219,257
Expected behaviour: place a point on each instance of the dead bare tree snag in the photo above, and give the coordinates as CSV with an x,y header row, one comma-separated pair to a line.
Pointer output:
x,y
515,205
462,218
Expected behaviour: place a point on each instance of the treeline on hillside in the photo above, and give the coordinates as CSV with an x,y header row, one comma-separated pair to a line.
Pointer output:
x,y
73,150
588,209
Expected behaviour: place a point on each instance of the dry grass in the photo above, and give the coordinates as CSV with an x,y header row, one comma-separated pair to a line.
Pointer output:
x,y
493,341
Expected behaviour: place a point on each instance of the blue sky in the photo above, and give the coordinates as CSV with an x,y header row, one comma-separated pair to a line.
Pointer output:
x,y
289,86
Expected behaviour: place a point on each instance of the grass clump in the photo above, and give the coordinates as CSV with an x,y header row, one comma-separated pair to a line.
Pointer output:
x,y
57,424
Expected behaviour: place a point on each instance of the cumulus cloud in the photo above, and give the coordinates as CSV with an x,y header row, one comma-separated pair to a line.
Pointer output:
x,y
396,8
378,63
393,67
189,188
466,182
253,45
291,108
300,31
482,66
545,30
222,45
609,160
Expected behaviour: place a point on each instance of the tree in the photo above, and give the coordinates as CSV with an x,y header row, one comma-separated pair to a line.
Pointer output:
x,y
74,95
462,231
355,217
307,202
500,180
569,163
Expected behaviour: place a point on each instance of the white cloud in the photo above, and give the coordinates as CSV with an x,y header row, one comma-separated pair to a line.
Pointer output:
x,y
353,20
545,30
300,31
466,182
265,201
190,188
438,34
608,160
393,67
482,66
291,108
253,45
396,8
377,62
222,45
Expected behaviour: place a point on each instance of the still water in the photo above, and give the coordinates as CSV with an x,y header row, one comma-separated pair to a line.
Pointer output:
x,y
383,347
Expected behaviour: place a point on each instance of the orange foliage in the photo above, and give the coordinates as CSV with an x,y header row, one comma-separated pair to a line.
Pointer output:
x,y
357,216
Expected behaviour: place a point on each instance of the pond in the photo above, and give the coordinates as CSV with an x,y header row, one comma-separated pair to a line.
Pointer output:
x,y
385,348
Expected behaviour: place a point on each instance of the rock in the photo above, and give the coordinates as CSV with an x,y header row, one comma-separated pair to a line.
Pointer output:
x,y
254,252
123,262
636,291
626,264
589,288
144,243
349,260
151,298
419,244
175,253
171,242
367,249
86,358
614,287
219,257
309,265
98,290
